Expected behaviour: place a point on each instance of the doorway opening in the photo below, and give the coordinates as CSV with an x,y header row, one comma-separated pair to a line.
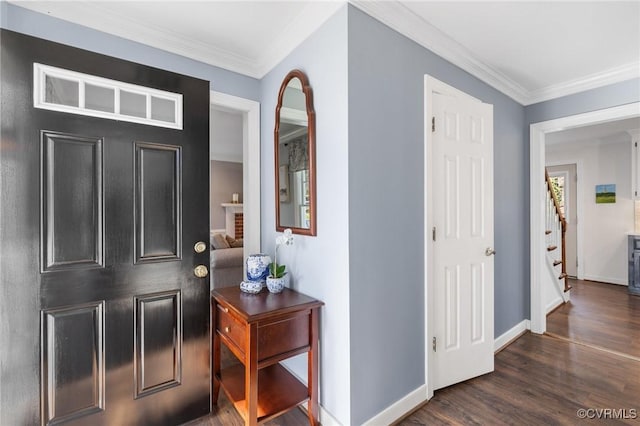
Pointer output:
x,y
234,152
539,132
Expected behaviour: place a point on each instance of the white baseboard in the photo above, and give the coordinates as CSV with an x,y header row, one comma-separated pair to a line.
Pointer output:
x,y
399,408
607,280
512,334
554,304
325,419
419,396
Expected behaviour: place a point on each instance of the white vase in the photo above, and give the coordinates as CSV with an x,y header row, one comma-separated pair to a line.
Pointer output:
x,y
276,285
258,267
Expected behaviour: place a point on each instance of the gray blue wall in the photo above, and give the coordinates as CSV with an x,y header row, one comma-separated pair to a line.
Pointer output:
x,y
612,95
319,266
386,214
24,21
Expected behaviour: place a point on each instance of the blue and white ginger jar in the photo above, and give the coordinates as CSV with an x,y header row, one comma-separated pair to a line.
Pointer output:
x,y
258,267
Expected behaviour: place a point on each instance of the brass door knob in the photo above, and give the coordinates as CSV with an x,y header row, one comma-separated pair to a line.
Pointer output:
x,y
200,271
199,247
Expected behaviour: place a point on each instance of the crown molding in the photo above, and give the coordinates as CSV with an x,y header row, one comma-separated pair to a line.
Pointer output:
x,y
396,16
593,81
391,13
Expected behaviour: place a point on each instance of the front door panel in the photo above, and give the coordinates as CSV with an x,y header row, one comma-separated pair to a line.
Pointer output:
x,y
71,238
72,362
97,224
158,362
158,202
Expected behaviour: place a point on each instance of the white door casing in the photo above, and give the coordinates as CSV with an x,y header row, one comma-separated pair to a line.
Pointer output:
x,y
459,273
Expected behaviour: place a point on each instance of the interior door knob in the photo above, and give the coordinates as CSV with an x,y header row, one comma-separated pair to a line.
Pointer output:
x,y
489,252
200,271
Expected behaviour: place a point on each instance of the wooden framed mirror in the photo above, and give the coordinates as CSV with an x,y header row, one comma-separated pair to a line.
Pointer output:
x,y
295,153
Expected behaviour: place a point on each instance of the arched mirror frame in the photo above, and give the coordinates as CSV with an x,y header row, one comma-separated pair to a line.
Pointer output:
x,y
311,138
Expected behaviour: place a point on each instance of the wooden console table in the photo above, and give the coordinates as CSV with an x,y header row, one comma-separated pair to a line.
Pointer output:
x,y
261,330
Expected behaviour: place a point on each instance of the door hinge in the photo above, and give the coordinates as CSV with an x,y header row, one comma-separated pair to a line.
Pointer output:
x,y
433,233
433,124
434,344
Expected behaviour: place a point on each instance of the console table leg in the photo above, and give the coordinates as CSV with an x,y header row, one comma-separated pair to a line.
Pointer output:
x,y
215,360
251,375
312,369
215,354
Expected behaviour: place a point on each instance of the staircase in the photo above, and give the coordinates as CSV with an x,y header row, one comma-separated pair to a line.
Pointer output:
x,y
556,229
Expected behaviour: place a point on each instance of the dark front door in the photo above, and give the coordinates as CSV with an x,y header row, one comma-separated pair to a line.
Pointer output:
x,y
102,320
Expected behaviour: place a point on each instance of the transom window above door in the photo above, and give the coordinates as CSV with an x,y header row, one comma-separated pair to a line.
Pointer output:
x,y
62,90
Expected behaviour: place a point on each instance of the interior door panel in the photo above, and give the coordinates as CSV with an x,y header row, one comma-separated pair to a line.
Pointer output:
x,y
463,259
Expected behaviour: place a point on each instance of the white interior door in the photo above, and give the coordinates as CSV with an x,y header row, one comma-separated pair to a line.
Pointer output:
x,y
462,176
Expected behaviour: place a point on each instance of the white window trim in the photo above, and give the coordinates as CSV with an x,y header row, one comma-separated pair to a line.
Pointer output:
x,y
40,72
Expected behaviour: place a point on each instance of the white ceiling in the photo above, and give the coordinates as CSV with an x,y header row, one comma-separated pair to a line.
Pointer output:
x,y
249,37
531,51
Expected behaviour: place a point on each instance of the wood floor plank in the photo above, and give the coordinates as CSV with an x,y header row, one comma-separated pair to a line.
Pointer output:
x,y
603,315
538,380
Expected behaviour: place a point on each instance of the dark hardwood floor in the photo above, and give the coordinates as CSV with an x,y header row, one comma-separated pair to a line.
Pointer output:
x,y
547,379
226,415
601,315
539,380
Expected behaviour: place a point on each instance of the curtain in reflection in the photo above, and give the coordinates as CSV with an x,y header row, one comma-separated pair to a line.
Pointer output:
x,y
298,154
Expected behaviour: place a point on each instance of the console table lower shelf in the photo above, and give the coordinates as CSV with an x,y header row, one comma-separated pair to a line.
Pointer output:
x,y
278,391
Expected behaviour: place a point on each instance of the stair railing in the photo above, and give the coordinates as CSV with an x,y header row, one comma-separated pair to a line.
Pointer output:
x,y
556,230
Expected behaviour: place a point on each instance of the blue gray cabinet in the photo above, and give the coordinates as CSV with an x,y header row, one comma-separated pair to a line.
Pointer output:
x,y
634,264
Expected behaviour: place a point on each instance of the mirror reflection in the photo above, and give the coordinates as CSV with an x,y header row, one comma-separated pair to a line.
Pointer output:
x,y
294,148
